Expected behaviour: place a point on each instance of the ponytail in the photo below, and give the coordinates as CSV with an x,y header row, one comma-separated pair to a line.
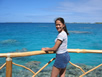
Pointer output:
x,y
65,29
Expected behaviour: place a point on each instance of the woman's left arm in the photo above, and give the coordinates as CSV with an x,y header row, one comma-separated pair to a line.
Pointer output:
x,y
55,47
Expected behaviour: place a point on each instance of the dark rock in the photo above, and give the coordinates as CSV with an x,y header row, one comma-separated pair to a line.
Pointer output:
x,y
80,32
22,50
34,65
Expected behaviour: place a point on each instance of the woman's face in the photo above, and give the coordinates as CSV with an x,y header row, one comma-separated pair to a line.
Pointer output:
x,y
59,26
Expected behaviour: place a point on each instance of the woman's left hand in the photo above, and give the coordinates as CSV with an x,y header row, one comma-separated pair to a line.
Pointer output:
x,y
45,49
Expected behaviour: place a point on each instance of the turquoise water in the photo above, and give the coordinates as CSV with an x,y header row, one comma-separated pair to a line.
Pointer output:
x,y
33,36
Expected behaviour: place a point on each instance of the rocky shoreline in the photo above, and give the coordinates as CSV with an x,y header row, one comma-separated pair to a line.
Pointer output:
x,y
34,65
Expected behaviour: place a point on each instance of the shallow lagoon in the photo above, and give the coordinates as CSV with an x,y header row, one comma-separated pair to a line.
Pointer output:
x,y
21,37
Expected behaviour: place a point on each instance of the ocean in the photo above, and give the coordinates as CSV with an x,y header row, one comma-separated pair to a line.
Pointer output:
x,y
21,37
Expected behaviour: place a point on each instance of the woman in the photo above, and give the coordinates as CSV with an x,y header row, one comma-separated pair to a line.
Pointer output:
x,y
62,56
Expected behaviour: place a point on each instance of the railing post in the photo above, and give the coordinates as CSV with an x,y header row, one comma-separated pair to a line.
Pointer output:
x,y
8,66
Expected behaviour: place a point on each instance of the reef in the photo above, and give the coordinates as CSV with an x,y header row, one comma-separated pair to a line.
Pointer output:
x,y
9,42
71,71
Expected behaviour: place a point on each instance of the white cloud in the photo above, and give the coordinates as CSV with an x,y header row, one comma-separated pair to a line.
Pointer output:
x,y
81,10
82,6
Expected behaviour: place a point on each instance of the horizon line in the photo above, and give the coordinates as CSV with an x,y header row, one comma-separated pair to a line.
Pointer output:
x,y
53,22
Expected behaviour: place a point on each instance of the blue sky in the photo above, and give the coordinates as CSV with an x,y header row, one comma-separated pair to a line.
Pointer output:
x,y
48,10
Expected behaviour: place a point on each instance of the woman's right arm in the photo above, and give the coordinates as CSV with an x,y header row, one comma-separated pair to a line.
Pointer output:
x,y
55,47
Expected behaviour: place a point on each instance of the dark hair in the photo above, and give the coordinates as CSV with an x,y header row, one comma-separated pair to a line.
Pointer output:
x,y
63,22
